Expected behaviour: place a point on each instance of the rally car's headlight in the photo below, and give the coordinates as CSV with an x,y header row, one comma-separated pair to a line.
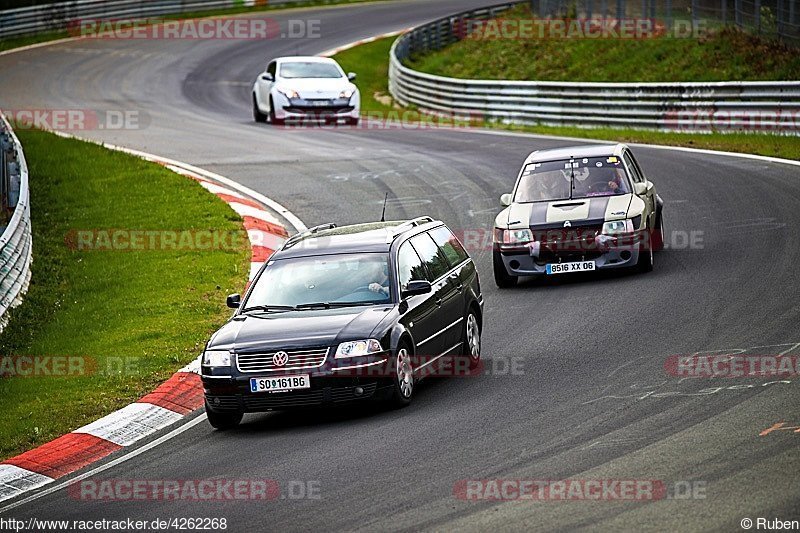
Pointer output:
x,y
358,348
289,93
217,358
513,236
347,93
616,227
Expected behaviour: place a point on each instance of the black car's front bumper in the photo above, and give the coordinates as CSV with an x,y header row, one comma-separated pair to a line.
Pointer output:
x,y
334,383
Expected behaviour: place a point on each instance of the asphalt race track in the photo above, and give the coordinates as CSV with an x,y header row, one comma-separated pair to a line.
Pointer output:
x,y
588,398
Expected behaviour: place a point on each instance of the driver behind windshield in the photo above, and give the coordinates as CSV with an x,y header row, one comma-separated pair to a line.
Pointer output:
x,y
380,273
606,183
572,179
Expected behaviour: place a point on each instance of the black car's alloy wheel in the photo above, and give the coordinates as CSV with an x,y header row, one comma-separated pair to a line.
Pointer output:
x,y
403,378
472,340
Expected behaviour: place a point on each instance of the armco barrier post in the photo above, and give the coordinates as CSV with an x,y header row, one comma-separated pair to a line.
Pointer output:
x,y
757,9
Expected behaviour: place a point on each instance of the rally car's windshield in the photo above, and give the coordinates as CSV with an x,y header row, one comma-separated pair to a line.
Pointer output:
x,y
579,178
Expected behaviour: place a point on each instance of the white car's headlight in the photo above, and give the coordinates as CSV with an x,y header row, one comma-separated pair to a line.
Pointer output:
x,y
358,348
347,93
218,358
616,227
288,93
513,236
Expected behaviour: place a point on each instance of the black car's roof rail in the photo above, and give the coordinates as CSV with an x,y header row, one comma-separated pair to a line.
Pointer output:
x,y
414,222
405,226
300,236
316,229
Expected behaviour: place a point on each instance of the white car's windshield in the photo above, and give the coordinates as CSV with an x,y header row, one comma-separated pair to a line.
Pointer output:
x,y
309,70
338,280
579,178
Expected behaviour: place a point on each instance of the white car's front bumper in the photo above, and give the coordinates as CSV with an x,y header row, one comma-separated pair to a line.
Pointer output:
x,y
302,108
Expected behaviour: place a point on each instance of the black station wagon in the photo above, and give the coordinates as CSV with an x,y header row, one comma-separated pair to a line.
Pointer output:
x,y
341,314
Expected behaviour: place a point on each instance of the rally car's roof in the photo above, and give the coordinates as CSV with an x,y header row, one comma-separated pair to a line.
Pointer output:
x,y
587,150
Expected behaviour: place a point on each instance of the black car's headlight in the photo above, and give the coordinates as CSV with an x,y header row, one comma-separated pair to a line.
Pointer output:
x,y
358,348
217,358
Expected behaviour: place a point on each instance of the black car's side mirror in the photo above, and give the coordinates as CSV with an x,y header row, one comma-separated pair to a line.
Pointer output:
x,y
351,76
417,287
234,300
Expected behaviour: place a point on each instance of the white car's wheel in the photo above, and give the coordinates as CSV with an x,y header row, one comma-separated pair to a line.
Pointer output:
x,y
272,118
258,116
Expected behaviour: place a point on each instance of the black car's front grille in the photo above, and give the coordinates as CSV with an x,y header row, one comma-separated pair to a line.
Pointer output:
x,y
295,360
280,400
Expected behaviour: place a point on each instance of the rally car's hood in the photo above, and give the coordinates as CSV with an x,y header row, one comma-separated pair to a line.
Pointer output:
x,y
596,209
296,330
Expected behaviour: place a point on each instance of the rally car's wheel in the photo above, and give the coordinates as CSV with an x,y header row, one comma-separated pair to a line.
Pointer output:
x,y
645,262
404,377
258,116
658,234
223,420
501,276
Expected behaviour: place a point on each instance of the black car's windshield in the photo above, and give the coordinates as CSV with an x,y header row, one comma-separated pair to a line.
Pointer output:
x,y
580,178
322,281
309,70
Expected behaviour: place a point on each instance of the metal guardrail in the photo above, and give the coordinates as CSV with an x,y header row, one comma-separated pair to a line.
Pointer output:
x,y
16,241
59,16
689,106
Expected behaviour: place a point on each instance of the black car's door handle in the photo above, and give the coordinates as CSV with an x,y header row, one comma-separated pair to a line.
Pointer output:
x,y
438,302
457,280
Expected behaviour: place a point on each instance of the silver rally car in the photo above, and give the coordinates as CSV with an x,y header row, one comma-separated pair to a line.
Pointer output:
x,y
577,209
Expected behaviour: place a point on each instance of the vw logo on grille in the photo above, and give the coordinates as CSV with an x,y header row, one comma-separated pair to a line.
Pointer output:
x,y
280,358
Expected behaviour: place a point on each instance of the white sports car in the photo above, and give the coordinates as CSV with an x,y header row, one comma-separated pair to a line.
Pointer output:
x,y
304,87
576,209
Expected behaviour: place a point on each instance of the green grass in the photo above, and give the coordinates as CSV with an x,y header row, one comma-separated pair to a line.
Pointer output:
x,y
724,54
152,309
16,42
371,62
